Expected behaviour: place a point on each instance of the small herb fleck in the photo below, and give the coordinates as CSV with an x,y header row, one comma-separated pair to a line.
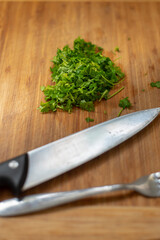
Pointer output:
x,y
88,119
124,103
116,49
105,112
42,88
155,84
143,90
129,38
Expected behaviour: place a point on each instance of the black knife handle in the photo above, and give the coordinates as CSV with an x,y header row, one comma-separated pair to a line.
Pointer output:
x,y
13,173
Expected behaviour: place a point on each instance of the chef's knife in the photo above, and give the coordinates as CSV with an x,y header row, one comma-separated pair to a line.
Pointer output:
x,y
46,162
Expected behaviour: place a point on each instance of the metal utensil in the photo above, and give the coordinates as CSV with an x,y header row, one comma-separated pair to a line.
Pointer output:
x,y
53,159
148,186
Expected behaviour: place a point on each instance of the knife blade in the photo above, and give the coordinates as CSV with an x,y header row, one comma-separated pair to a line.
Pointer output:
x,y
46,162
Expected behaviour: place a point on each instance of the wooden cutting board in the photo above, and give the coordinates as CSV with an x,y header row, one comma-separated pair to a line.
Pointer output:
x,y
97,222
30,34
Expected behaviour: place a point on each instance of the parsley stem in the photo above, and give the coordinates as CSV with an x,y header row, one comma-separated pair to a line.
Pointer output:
x,y
116,92
120,112
116,59
120,81
106,91
108,80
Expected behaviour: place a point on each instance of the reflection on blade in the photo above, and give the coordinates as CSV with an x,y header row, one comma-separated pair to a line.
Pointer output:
x,y
65,154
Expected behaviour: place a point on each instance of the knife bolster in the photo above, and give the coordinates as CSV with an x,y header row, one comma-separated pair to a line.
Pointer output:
x,y
13,173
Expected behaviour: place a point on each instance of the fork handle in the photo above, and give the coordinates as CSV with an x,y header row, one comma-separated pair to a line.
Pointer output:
x,y
37,202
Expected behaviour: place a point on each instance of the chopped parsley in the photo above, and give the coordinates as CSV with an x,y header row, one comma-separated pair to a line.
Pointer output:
x,y
124,103
80,77
155,84
88,119
116,49
110,96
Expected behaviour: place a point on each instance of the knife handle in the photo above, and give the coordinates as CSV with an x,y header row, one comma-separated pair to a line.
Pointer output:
x,y
13,173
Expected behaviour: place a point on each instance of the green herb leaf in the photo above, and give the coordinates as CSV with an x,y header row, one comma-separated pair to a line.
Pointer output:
x,y
124,103
116,49
89,106
88,119
80,77
155,84
42,88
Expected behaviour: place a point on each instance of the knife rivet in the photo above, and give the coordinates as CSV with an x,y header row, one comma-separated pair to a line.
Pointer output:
x,y
13,164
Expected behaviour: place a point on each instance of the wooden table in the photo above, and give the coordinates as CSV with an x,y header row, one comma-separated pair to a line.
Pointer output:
x,y
30,34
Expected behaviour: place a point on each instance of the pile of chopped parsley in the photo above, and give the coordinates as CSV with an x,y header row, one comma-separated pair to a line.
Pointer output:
x,y
80,77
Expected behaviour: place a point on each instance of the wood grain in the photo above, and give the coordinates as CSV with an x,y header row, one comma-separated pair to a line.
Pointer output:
x,y
124,1
30,34
117,223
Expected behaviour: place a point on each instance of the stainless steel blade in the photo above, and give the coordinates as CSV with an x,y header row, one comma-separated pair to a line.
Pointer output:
x,y
65,154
